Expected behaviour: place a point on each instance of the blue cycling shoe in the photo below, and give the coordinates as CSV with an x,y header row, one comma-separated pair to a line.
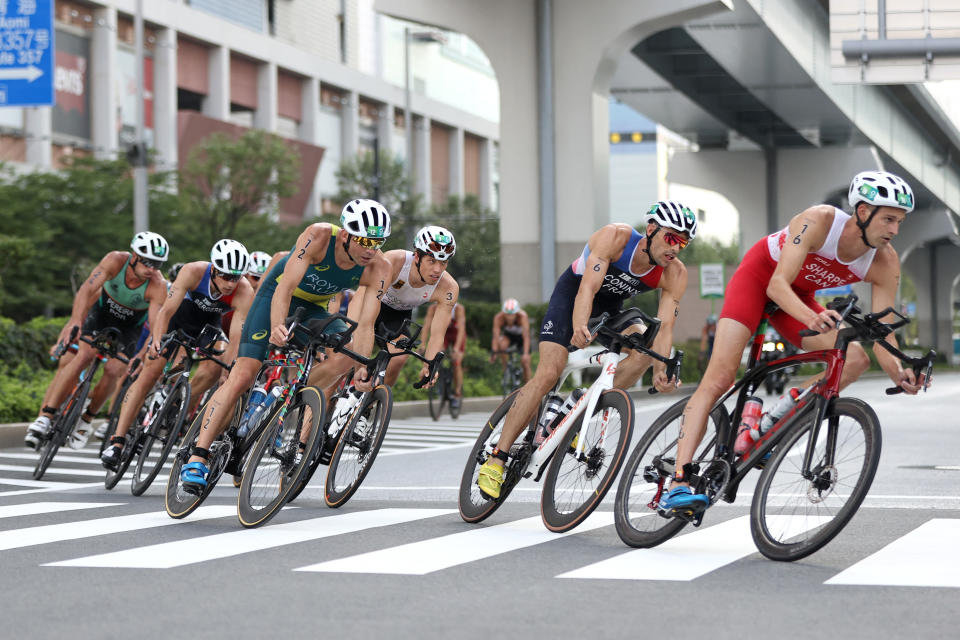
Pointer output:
x,y
193,475
682,501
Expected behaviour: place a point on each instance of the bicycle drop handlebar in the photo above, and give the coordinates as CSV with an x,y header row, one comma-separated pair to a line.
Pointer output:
x,y
870,327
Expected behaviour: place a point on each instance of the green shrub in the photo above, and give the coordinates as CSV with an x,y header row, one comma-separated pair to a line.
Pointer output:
x,y
21,392
28,343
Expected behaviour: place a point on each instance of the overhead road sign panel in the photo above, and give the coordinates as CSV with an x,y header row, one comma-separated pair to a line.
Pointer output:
x,y
26,53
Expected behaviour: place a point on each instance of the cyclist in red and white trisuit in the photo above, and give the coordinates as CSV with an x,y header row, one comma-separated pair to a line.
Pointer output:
x,y
821,247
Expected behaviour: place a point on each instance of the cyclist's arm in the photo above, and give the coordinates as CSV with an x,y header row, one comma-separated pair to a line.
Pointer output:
x,y
884,276
374,277
806,233
445,296
497,328
242,299
90,289
427,322
605,245
674,282
310,248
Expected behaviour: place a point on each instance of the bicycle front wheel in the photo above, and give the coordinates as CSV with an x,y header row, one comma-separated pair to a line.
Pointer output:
x,y
647,475
437,395
358,446
575,485
61,429
475,505
159,438
274,467
795,514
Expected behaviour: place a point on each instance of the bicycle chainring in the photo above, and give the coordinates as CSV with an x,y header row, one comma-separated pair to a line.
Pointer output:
x,y
714,479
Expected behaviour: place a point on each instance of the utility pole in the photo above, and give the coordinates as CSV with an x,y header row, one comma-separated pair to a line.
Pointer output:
x,y
138,155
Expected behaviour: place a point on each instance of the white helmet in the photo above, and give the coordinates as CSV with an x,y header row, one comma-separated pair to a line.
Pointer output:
x,y
436,241
365,218
230,257
259,261
511,306
151,246
881,189
674,215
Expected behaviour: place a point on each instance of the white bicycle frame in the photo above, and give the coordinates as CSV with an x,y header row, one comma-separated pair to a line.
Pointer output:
x,y
608,361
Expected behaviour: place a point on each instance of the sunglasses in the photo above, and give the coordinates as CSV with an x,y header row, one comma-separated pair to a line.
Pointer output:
x,y
153,264
674,240
229,277
369,243
437,247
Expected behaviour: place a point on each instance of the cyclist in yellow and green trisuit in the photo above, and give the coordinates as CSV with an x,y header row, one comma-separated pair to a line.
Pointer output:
x,y
326,259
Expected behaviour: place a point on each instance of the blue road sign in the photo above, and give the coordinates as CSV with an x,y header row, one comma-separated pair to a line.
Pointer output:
x,y
26,53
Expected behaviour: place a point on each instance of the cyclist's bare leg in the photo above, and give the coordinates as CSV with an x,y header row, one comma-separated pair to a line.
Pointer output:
x,y
203,378
500,343
857,359
632,367
553,358
133,400
66,378
456,361
329,371
65,359
731,338
220,408
113,371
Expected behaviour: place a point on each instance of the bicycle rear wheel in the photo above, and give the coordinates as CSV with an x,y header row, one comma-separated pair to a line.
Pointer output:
x,y
272,471
180,503
474,505
647,475
111,478
574,487
159,437
793,516
358,446
61,429
115,412
437,395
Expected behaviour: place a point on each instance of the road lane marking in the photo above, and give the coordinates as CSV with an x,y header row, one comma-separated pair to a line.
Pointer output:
x,y
685,557
32,536
55,471
928,556
435,554
223,545
35,508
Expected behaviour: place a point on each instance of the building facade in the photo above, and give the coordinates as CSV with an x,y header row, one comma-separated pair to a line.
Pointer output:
x,y
321,73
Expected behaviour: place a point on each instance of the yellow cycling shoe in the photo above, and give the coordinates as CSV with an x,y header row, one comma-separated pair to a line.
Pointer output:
x,y
489,479
573,444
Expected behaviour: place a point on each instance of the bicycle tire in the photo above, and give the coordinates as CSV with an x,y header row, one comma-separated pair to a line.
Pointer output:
x,y
562,509
62,427
437,395
315,461
111,478
267,484
454,407
358,446
798,545
180,503
163,429
635,514
473,506
115,412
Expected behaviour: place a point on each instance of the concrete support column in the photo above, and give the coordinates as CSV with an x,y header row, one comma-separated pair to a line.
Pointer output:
x,y
165,99
456,162
934,269
38,127
421,158
266,116
349,125
486,173
217,103
103,77
310,132
385,128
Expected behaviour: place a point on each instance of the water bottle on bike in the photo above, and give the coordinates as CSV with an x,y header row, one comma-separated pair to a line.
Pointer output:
x,y
257,397
253,419
783,406
550,411
749,421
544,432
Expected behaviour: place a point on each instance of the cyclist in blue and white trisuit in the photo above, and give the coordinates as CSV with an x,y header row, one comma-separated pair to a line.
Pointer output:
x,y
617,263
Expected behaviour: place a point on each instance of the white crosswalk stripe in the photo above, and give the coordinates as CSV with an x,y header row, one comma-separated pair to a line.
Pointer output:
x,y
928,556
32,536
34,508
685,557
224,545
427,556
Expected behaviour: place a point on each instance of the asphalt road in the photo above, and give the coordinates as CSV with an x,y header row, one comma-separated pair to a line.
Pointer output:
x,y
397,561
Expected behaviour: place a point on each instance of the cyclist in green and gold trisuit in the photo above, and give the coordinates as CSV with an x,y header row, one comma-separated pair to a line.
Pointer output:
x,y
325,260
